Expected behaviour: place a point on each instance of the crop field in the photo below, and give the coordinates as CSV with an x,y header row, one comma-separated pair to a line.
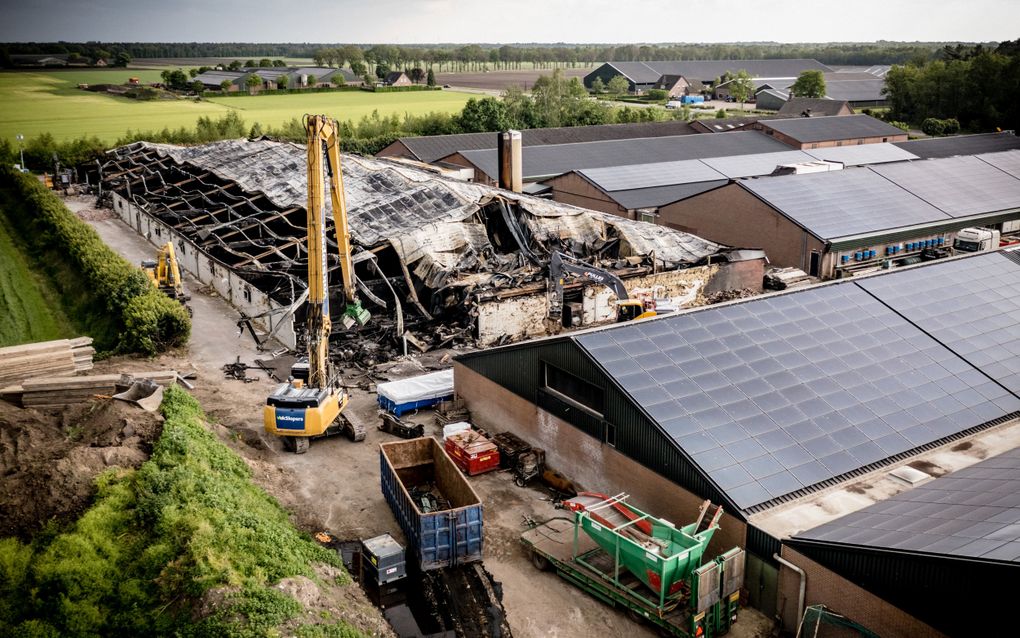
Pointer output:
x,y
32,103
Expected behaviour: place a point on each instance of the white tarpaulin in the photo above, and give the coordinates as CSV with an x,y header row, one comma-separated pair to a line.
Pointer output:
x,y
422,388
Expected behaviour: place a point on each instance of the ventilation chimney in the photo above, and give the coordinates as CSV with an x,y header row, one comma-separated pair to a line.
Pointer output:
x,y
511,168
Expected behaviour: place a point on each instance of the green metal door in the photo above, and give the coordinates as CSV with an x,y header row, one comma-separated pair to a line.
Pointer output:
x,y
762,583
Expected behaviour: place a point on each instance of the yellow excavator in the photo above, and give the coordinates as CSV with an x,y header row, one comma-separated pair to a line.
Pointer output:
x,y
165,274
307,408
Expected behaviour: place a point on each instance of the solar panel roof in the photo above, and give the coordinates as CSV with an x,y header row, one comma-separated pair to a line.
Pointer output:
x,y
615,178
756,164
661,195
959,186
1008,161
970,305
843,203
861,154
971,513
777,394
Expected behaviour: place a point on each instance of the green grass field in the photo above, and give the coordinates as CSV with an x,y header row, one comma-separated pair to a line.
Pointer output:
x,y
29,309
49,101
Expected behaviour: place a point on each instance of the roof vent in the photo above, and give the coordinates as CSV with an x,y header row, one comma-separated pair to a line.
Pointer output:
x,y
909,475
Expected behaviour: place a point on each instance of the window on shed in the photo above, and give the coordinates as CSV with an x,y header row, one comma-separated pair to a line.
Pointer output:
x,y
574,389
247,294
610,434
180,245
159,231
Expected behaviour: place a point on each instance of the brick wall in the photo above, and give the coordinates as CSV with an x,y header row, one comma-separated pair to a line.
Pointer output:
x,y
843,597
574,189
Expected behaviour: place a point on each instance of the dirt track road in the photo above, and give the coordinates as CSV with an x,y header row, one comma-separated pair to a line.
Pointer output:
x,y
335,486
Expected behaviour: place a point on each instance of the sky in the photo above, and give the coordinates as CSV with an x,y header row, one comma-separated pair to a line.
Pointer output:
x,y
503,21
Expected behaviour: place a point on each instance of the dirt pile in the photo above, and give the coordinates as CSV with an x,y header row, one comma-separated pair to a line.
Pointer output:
x,y
49,459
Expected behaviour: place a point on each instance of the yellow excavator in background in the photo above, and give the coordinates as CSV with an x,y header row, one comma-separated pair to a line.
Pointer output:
x,y
165,274
302,409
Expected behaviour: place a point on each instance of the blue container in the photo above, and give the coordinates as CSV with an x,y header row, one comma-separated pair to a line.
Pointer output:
x,y
436,539
942,240
874,253
844,258
857,256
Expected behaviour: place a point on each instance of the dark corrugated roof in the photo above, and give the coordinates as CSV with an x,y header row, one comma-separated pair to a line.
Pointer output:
x,y
972,513
817,106
709,70
962,145
434,147
775,395
823,129
541,161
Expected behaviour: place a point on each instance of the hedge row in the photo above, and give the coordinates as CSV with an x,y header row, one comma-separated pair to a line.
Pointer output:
x,y
141,559
398,89
147,320
314,89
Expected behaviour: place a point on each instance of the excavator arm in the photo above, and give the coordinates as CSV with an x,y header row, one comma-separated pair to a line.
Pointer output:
x,y
324,159
561,266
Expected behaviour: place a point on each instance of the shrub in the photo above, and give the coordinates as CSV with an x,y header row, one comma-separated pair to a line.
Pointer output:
x,y
658,94
148,320
933,126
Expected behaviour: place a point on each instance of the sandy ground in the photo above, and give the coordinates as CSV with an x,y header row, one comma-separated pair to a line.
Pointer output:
x,y
335,487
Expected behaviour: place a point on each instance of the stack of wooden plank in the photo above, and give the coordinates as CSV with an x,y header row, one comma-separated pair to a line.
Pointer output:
x,y
45,359
57,391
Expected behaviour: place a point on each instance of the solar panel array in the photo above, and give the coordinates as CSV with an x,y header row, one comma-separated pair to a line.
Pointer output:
x,y
971,305
1008,161
844,203
756,164
861,154
973,513
775,395
959,186
615,178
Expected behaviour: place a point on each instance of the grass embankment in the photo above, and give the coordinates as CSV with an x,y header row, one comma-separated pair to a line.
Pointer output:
x,y
108,298
30,309
141,560
36,102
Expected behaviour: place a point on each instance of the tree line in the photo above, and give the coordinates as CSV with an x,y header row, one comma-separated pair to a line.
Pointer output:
x,y
507,56
976,87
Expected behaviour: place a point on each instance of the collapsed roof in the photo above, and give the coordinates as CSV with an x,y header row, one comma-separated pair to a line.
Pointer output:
x,y
435,239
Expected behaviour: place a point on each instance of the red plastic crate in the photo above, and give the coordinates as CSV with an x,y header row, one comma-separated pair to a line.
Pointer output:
x,y
472,452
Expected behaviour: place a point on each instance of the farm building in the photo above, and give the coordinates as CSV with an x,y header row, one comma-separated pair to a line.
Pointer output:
x,y
695,74
795,411
544,162
397,78
845,222
727,124
639,191
936,147
437,259
430,148
213,80
321,76
771,99
815,107
818,132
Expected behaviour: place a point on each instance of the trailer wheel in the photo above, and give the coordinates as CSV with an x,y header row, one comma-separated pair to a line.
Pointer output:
x,y
636,616
540,562
519,481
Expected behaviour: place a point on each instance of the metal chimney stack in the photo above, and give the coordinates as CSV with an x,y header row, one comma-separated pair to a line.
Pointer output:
x,y
511,170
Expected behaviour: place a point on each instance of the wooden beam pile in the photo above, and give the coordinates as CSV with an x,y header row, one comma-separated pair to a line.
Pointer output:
x,y
59,391
45,359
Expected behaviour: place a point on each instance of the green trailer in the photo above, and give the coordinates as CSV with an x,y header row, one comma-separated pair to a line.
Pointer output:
x,y
704,606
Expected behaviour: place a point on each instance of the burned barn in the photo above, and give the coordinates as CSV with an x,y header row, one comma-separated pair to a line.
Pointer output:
x,y
438,261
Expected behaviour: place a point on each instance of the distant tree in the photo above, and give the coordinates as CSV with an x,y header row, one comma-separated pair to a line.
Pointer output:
x,y
618,85
382,70
192,72
358,67
265,62
253,82
235,65
121,59
197,86
520,108
73,58
720,114
175,79
430,78
281,82
598,86
417,74
486,114
250,64
279,63
809,84
225,85
741,87
311,80
951,126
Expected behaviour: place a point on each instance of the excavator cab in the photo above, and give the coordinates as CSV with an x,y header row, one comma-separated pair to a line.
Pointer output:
x,y
632,309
